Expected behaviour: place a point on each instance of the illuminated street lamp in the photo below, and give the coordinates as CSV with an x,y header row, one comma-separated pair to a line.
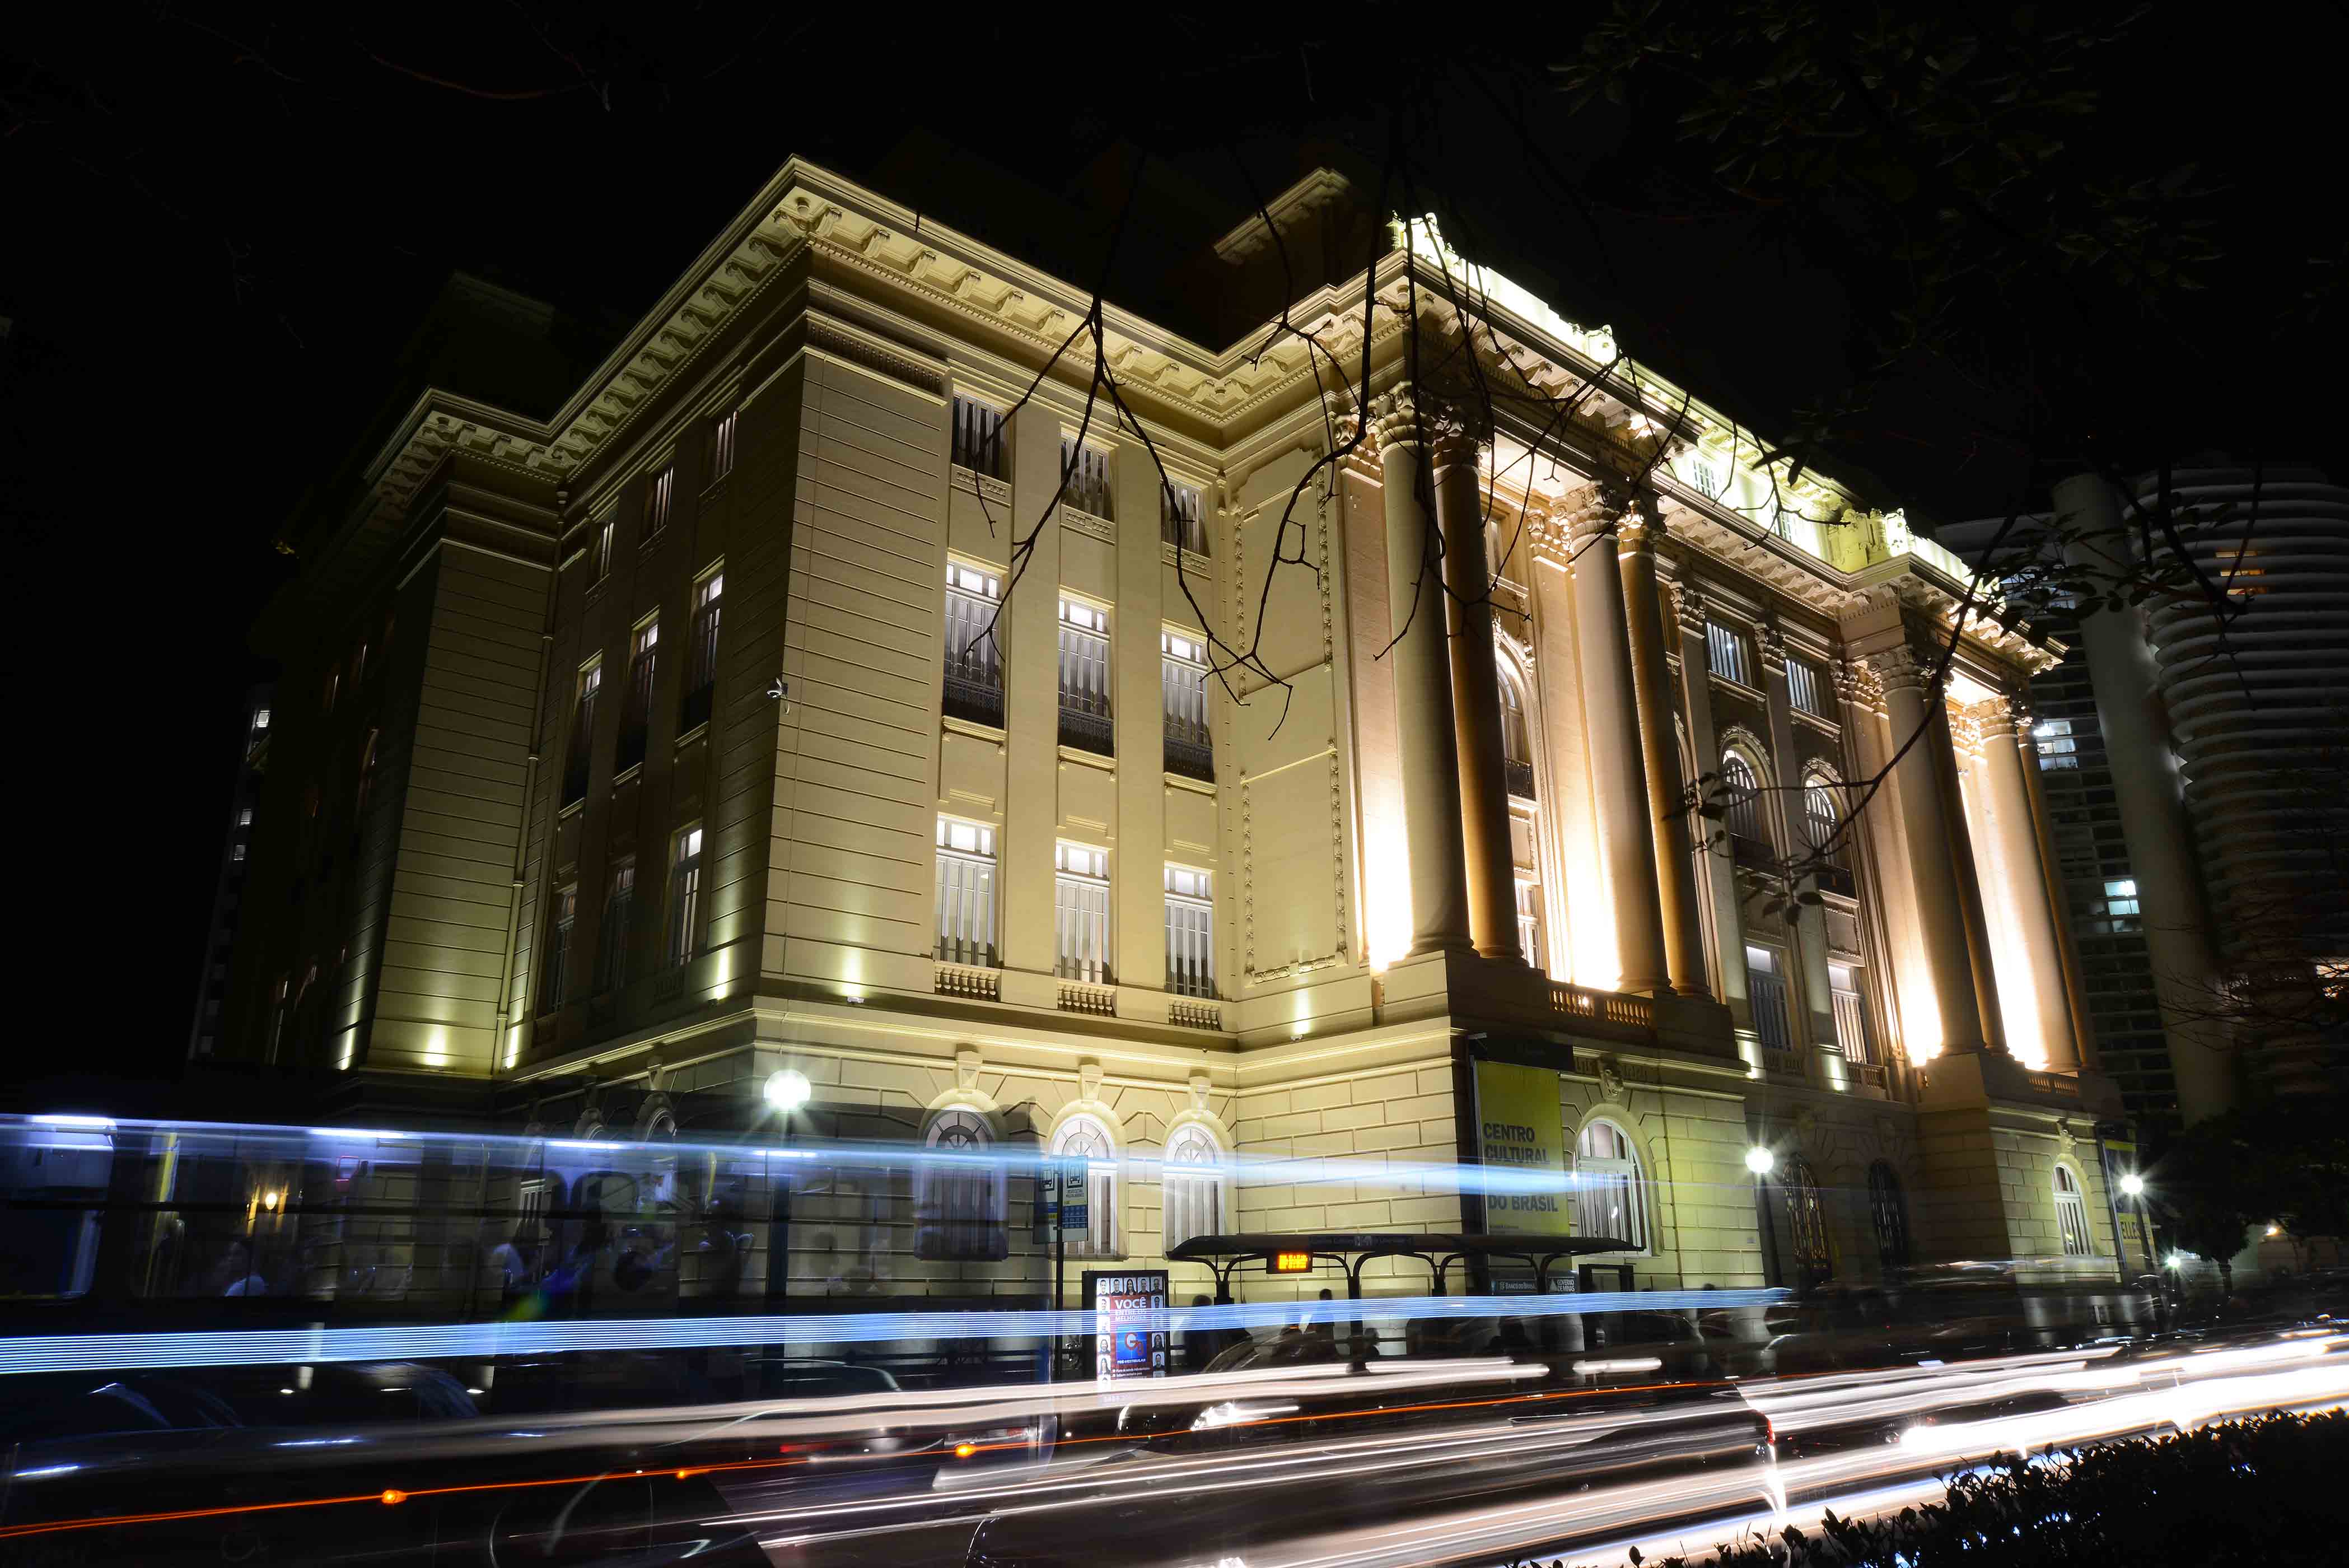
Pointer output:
x,y
2133,1184
788,1089
1760,1160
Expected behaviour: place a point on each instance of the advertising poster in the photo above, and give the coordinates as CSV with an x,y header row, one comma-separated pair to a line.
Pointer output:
x,y
1519,1129
1119,1352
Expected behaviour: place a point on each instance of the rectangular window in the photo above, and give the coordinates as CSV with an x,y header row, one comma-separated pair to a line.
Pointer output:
x,y
2120,897
720,448
1080,913
1804,682
612,941
978,439
701,651
685,899
1726,654
1851,1013
2055,744
1180,521
245,817
974,680
556,971
966,893
635,718
604,534
1766,988
656,501
237,852
1085,479
1084,677
582,732
1190,749
1190,931
1529,924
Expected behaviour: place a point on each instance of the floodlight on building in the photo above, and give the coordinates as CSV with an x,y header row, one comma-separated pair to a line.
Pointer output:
x,y
2132,1185
1760,1160
788,1089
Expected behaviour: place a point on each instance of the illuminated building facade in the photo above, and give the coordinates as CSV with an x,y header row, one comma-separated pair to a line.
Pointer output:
x,y
741,720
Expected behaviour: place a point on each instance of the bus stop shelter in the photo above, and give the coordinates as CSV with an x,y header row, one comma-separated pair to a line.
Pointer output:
x,y
1296,1252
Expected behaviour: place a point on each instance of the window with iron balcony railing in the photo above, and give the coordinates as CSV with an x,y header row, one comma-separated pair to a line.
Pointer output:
x,y
1190,748
974,673
1084,679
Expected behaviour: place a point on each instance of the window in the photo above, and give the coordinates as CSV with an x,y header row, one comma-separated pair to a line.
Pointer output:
x,y
2072,1215
237,852
977,437
685,899
1085,1138
1085,677
719,447
1190,931
636,717
959,1207
1765,989
1803,687
558,969
1191,1187
974,687
1889,1210
701,650
1179,520
1610,1201
1807,1225
1819,816
1084,480
1851,1013
604,532
582,732
966,893
611,945
1080,913
1726,653
1529,924
245,817
2120,896
260,719
2055,744
1190,749
657,498
1741,789
1517,749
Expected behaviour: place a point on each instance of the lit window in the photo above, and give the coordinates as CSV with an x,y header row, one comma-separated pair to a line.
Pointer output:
x,y
959,1207
1741,789
1180,522
1084,677
1851,1013
657,500
1765,989
637,711
1080,913
260,719
1191,1187
966,893
612,939
1190,749
1726,655
1819,816
1517,742
1085,482
1084,1138
1610,1198
685,899
1807,1223
604,531
974,682
237,852
977,437
1190,931
563,919
1529,924
245,817
1804,687
717,449
701,650
2072,1215
582,731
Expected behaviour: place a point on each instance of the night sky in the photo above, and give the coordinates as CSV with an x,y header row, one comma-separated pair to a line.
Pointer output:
x,y
218,227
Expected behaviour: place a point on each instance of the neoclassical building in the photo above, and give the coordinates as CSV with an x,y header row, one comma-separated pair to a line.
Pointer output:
x,y
838,683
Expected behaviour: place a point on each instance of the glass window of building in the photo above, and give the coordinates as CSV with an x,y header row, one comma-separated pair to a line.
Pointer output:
x,y
658,496
1180,519
685,899
1888,1207
973,676
1190,931
637,712
2072,1215
1083,1138
1084,677
1529,923
1517,740
965,910
562,919
605,529
1726,654
1807,1225
960,1211
1804,688
1085,479
1610,1192
1191,1186
1740,796
1190,749
612,939
979,438
1080,913
701,650
718,451
1851,1013
1766,990
590,689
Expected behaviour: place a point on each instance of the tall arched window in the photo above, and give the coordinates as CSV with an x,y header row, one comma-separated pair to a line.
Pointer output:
x,y
960,1211
2072,1215
1191,1186
1085,1137
1610,1200
1821,816
1517,742
1888,1208
1806,1224
1741,790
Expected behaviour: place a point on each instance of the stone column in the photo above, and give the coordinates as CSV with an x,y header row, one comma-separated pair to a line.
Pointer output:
x,y
2134,722
1578,901
1424,732
1476,702
1610,705
2030,890
1978,876
1940,859
1810,921
1660,750
1719,882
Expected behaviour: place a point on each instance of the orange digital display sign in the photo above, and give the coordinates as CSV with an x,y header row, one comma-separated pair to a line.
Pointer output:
x,y
1292,1262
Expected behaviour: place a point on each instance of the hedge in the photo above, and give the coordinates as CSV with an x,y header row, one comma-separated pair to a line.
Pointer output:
x,y
2273,1490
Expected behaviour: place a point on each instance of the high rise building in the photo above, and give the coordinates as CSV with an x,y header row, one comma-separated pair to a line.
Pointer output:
x,y
836,685
228,891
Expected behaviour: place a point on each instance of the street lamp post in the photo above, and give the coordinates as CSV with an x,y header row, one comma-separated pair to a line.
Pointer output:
x,y
1761,1161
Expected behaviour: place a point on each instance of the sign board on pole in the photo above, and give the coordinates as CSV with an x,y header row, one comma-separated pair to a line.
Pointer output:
x,y
1521,1133
1119,1352
1076,1211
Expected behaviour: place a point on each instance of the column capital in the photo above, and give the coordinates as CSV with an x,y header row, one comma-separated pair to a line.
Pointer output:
x,y
1901,668
1609,505
1995,715
1640,524
1771,644
1688,607
1406,415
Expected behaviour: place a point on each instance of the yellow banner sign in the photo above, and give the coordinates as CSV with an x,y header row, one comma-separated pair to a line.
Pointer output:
x,y
1520,1133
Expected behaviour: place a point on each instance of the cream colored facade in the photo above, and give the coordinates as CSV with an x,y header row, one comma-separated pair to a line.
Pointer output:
x,y
1380,834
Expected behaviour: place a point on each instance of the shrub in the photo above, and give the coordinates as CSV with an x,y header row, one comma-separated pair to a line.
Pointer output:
x,y
2272,1491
